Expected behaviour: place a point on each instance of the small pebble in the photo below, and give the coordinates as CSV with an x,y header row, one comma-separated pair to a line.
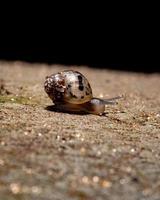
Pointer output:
x,y
106,184
1,162
95,179
15,188
85,180
132,150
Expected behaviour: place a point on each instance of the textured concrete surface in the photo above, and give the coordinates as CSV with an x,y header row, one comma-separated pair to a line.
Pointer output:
x,y
47,155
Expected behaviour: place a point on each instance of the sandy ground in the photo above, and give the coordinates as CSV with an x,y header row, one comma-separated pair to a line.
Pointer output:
x,y
47,155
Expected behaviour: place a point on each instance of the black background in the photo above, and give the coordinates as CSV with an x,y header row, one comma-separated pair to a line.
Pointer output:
x,y
119,59
119,36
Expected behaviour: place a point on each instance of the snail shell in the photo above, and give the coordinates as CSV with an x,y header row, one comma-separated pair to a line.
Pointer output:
x,y
68,86
71,91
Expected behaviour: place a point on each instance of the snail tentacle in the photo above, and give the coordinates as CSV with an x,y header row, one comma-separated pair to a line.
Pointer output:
x,y
111,101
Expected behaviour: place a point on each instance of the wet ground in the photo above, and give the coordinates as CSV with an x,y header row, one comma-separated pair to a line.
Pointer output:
x,y
47,155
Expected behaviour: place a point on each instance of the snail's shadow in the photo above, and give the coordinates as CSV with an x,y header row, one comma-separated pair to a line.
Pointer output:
x,y
54,108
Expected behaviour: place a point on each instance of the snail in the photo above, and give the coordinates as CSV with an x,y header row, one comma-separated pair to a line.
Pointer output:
x,y
70,91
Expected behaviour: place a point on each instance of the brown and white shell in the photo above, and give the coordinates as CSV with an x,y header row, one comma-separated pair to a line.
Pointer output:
x,y
68,86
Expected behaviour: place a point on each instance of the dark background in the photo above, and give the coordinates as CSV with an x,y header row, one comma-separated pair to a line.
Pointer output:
x,y
129,60
119,36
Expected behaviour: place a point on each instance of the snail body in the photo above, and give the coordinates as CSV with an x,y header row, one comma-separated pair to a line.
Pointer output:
x,y
70,91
